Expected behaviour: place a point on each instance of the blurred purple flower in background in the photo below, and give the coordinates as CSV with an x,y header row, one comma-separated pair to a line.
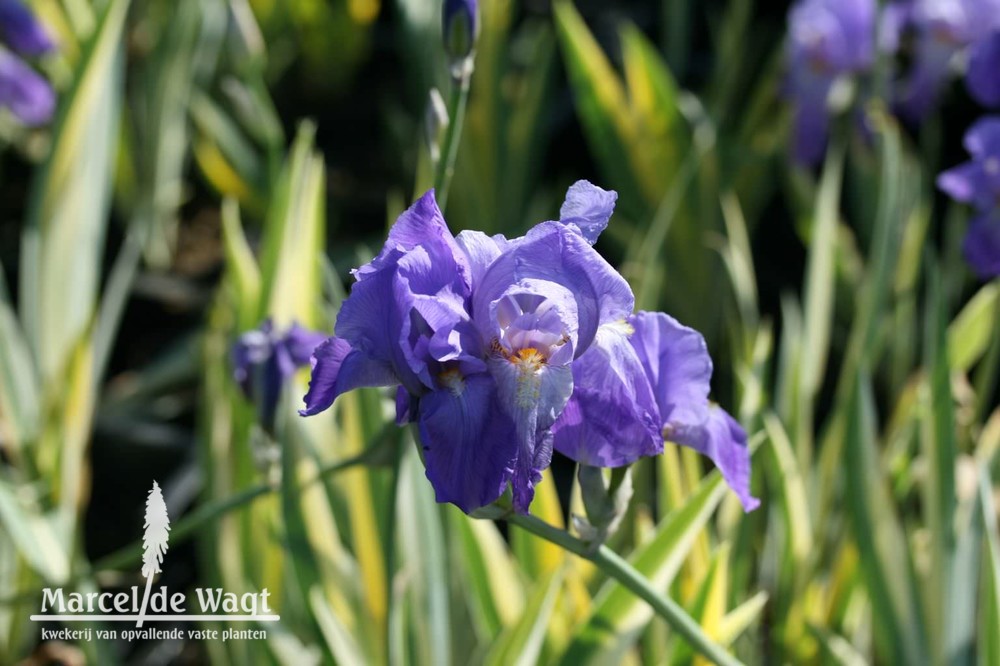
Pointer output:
x,y
944,30
827,39
22,31
505,348
983,75
977,183
264,359
28,96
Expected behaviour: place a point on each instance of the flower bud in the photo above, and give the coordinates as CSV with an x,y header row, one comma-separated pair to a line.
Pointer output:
x,y
460,29
605,501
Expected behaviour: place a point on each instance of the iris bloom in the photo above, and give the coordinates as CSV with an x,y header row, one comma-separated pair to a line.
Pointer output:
x,y
28,96
828,39
504,349
977,183
943,30
264,359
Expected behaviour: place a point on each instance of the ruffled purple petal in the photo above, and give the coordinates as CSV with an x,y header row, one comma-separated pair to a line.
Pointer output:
x,y
422,225
371,318
337,368
982,77
469,443
555,253
612,418
982,246
677,364
420,258
28,96
435,328
724,441
588,208
22,30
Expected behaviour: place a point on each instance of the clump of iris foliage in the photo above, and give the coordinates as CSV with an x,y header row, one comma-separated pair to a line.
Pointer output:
x,y
794,209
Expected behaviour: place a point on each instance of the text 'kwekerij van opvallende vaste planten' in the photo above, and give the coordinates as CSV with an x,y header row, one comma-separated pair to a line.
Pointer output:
x,y
499,332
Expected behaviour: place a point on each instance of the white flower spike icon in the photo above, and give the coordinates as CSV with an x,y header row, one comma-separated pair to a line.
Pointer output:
x,y
154,542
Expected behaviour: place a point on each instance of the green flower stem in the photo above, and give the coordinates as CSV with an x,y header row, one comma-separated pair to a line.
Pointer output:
x,y
449,153
187,526
613,565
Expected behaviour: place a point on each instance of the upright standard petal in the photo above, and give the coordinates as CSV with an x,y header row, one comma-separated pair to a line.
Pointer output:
x,y
421,225
589,208
480,251
469,443
554,253
724,441
337,368
612,418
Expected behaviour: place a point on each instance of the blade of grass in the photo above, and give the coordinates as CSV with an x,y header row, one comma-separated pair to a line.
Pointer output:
x,y
521,645
969,335
63,240
876,528
939,450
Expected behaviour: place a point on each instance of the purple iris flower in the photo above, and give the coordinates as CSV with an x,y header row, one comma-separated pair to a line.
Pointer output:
x,y
265,358
28,96
488,338
977,183
22,31
944,29
827,39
